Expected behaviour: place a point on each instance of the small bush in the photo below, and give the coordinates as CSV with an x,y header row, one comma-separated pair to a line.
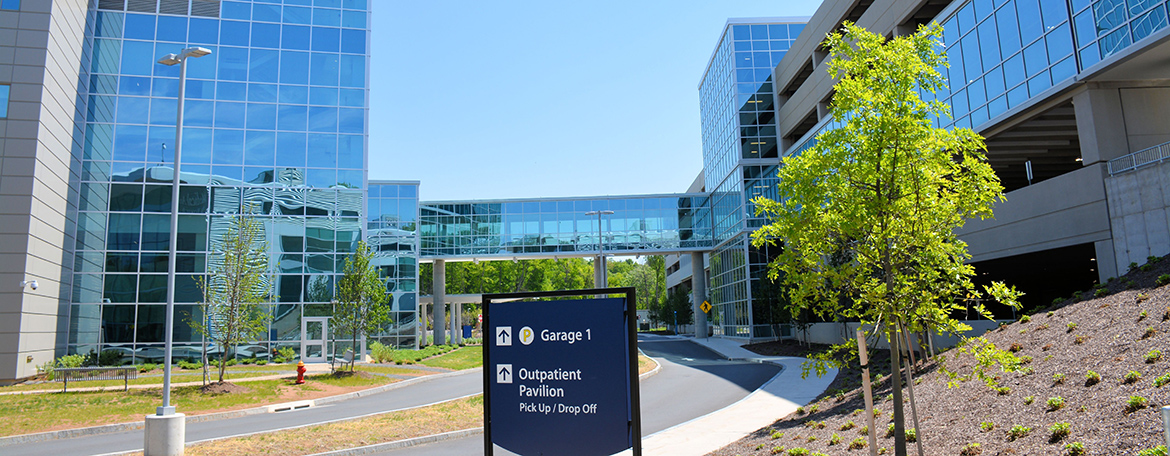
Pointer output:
x,y
1159,450
1080,339
1101,292
1142,297
1075,448
1092,378
1016,347
890,430
814,408
1146,267
147,367
189,365
1057,379
812,438
286,353
1149,332
798,452
1003,390
1029,400
261,362
835,439
1143,314
1153,356
971,449
70,361
857,444
864,430
986,426
1162,381
848,425
1163,279
776,435
1072,326
1132,265
1059,431
1131,377
911,435
1135,403
800,410
1025,318
1018,432
1055,302
1055,403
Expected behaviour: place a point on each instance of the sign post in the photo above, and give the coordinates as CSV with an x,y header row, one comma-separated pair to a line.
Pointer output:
x,y
561,376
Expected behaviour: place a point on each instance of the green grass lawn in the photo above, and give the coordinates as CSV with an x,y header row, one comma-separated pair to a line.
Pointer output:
x,y
468,357
154,377
24,414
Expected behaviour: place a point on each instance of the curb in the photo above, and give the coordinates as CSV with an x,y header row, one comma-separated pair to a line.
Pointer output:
x,y
399,444
136,425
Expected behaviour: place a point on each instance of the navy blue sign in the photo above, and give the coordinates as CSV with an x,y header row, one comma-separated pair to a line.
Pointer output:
x,y
558,377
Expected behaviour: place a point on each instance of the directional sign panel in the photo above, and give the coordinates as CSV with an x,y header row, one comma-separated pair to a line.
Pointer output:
x,y
563,385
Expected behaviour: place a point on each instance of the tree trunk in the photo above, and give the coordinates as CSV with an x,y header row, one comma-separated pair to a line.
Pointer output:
x,y
896,378
222,363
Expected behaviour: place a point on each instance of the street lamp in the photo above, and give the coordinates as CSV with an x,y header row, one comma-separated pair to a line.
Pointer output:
x,y
170,431
599,272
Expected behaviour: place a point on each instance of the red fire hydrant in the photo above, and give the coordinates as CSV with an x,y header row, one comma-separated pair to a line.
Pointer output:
x,y
300,372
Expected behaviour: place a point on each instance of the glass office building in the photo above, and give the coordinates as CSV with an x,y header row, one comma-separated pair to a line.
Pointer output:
x,y
392,233
274,128
740,155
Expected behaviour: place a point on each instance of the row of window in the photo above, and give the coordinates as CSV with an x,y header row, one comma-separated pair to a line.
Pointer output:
x,y
323,36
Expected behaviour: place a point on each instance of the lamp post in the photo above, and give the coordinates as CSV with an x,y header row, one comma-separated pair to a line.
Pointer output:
x,y
599,269
168,433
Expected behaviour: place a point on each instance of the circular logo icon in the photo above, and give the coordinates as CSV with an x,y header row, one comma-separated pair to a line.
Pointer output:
x,y
527,335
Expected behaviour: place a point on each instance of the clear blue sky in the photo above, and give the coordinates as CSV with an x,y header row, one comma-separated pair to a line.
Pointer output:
x,y
507,99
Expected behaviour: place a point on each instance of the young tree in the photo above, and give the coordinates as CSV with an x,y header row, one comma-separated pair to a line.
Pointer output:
x,y
236,288
677,305
360,307
868,215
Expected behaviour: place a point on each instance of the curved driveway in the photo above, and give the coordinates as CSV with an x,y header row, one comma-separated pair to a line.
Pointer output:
x,y
694,381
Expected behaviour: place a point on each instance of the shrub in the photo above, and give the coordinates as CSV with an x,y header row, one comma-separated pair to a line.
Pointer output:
x,y
1159,450
1080,339
857,444
1071,326
1146,267
1059,431
1101,292
1016,347
147,367
814,408
1153,356
1131,377
1003,390
189,365
381,353
1149,332
1029,400
800,410
70,361
1018,432
1057,301
261,362
1133,265
812,438
1142,315
890,430
798,452
1025,318
776,435
1153,259
1075,448
777,450
1057,379
1055,403
286,353
835,439
1092,378
986,426
1163,279
1135,403
971,449
911,435
1142,297
1162,381
864,430
848,425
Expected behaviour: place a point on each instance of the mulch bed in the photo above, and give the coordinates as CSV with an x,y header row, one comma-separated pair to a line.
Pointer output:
x,y
223,388
1111,337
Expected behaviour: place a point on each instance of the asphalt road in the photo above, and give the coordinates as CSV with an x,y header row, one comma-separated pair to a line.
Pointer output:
x,y
427,392
694,381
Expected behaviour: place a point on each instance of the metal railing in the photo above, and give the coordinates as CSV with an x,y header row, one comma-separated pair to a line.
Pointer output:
x,y
65,374
1139,159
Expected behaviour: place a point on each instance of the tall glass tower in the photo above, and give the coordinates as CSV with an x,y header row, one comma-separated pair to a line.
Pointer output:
x,y
740,155
275,128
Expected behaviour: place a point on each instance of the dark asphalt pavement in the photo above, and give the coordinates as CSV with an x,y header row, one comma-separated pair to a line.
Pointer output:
x,y
694,381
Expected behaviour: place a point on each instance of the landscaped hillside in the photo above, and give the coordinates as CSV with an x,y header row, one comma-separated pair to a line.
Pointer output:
x,y
1096,372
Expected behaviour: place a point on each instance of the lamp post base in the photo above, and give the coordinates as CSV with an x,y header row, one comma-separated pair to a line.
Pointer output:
x,y
165,435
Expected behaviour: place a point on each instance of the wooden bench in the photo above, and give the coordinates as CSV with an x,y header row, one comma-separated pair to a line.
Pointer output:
x,y
65,374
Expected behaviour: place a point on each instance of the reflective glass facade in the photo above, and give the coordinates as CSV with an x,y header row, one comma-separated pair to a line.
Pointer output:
x,y
392,232
740,154
548,227
274,128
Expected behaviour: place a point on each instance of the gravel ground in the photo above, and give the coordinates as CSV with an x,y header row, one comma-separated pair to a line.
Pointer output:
x,y
1111,337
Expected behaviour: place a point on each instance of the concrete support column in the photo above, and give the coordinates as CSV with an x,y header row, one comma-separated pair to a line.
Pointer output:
x,y
1100,124
439,311
698,292
456,323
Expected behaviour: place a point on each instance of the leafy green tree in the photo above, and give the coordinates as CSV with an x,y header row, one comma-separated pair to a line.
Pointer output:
x,y
235,289
677,304
360,307
884,192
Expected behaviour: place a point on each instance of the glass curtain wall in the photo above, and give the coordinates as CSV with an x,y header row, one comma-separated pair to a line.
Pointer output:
x,y
740,153
274,128
392,232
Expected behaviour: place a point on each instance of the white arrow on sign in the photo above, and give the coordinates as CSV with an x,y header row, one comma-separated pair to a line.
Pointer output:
x,y
503,373
504,336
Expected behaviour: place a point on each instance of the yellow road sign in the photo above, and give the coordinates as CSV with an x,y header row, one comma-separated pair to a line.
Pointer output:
x,y
706,306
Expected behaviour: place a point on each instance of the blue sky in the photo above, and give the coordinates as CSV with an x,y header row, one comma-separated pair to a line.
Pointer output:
x,y
507,99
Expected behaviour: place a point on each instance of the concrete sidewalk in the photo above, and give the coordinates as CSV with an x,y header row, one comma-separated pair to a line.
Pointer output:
x,y
776,399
